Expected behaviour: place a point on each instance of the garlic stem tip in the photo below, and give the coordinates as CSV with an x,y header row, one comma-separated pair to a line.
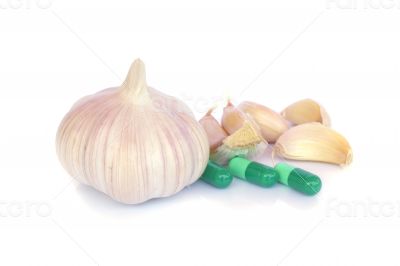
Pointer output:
x,y
211,110
135,83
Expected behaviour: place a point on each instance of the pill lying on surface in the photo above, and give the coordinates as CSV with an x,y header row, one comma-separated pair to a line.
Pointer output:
x,y
253,172
298,179
216,175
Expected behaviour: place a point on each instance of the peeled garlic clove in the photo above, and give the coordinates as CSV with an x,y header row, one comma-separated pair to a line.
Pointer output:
x,y
314,142
245,142
132,142
215,133
306,111
271,124
232,118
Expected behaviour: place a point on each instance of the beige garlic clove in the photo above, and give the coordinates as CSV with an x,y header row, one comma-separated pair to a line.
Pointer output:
x,y
215,133
245,142
306,111
232,118
132,142
271,124
314,142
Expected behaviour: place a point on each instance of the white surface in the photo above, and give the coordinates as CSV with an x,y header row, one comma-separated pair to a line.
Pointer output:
x,y
344,54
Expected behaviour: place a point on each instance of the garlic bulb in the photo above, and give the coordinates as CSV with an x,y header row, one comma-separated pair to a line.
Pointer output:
x,y
215,133
314,142
306,111
132,142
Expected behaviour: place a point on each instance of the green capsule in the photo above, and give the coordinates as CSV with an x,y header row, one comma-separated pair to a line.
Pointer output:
x,y
253,172
216,175
298,179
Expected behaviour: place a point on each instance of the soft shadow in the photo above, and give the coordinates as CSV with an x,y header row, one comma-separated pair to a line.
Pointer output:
x,y
239,195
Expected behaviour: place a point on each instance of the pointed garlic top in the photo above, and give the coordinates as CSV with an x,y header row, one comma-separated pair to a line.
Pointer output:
x,y
135,86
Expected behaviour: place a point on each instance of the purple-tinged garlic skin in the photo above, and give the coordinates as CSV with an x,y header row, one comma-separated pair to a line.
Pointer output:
x,y
215,133
132,142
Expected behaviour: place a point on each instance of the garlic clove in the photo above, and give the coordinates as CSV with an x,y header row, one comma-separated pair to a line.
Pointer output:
x,y
132,142
232,118
246,142
314,142
306,111
271,124
247,135
215,133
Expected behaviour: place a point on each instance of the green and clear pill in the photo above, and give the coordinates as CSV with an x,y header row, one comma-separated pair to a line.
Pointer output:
x,y
253,172
216,175
298,179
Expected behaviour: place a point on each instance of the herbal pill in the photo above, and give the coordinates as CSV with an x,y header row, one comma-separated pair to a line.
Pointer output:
x,y
298,179
253,172
216,175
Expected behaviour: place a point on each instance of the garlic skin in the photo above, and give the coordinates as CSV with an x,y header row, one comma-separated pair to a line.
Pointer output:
x,y
271,124
132,142
306,111
215,133
314,142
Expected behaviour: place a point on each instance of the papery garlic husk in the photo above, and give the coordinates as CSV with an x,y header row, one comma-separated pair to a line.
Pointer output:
x,y
314,142
306,111
215,133
245,142
132,142
271,124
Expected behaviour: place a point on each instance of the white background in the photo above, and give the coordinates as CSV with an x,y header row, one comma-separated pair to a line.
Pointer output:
x,y
343,53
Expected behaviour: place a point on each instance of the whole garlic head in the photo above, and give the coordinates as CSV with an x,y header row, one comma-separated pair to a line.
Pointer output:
x,y
132,142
